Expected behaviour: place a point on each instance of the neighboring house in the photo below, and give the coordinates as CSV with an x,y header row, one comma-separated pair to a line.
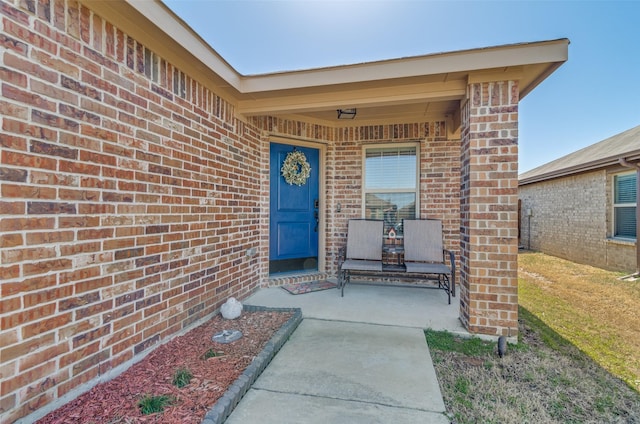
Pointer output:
x,y
583,206
141,180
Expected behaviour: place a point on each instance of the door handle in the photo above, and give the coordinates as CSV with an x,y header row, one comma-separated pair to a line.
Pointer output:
x,y
316,206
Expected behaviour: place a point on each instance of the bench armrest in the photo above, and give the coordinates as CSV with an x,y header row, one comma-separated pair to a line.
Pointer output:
x,y
452,264
342,256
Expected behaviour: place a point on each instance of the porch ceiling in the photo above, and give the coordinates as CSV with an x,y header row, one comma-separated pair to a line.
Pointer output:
x,y
399,90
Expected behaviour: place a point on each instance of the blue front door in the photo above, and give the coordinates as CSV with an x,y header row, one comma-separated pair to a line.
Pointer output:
x,y
293,244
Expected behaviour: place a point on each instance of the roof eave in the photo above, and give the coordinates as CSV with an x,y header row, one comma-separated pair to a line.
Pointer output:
x,y
161,30
578,169
554,52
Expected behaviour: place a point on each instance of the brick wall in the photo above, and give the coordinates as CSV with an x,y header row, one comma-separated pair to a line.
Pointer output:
x,y
439,173
489,207
129,196
571,219
439,176
131,193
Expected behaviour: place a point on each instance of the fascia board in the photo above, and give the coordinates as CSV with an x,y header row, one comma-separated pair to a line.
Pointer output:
x,y
158,13
441,63
565,172
552,52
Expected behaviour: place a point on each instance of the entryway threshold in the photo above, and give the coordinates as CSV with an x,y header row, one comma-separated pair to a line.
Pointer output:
x,y
277,280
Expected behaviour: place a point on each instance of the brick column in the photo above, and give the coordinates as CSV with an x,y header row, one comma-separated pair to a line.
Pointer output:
x,y
488,209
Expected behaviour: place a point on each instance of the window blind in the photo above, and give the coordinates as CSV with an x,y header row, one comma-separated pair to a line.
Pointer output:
x,y
390,168
625,203
625,189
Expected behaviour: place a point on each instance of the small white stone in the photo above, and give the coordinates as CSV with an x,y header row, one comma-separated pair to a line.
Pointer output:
x,y
227,336
231,309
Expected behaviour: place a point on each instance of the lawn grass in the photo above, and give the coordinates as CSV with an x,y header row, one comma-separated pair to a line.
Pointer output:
x,y
576,360
542,379
588,306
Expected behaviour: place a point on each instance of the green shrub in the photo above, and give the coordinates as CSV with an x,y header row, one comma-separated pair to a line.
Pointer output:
x,y
182,377
153,404
211,353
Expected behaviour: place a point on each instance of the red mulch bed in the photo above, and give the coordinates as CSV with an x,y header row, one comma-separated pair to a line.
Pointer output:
x,y
116,401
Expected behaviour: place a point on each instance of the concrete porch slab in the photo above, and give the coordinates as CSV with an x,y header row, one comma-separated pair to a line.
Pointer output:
x,y
297,409
335,371
383,305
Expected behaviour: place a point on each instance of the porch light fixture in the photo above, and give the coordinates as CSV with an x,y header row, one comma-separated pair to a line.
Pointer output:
x,y
346,113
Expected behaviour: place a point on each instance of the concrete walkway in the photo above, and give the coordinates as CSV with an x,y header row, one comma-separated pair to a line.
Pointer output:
x,y
358,359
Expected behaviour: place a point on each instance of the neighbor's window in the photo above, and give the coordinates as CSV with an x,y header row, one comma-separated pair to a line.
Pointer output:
x,y
624,205
391,184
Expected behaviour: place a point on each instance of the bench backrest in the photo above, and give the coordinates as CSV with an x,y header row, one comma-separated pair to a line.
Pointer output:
x,y
364,239
422,240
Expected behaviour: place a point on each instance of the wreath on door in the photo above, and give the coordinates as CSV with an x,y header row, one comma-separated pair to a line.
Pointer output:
x,y
296,169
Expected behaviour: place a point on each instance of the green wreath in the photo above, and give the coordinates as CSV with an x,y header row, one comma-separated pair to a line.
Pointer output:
x,y
296,169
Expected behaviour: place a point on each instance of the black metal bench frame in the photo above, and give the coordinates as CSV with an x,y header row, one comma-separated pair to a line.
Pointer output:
x,y
443,281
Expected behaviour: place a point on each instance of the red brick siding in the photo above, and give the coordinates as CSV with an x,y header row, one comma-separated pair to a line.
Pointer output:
x,y
126,209
439,176
489,208
439,173
130,194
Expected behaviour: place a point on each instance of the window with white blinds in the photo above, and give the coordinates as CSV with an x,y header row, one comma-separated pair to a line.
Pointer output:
x,y
391,184
624,205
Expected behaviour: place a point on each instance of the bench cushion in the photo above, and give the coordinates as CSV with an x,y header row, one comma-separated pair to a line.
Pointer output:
x,y
427,268
361,265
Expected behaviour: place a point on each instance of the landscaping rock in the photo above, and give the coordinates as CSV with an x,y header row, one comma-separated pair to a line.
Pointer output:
x,y
231,309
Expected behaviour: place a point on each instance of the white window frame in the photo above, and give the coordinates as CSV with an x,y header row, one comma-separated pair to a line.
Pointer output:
x,y
366,190
615,205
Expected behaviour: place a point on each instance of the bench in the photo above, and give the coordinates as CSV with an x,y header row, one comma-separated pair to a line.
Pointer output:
x,y
424,256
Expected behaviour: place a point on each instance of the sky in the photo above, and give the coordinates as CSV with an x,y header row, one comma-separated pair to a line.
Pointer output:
x,y
593,96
